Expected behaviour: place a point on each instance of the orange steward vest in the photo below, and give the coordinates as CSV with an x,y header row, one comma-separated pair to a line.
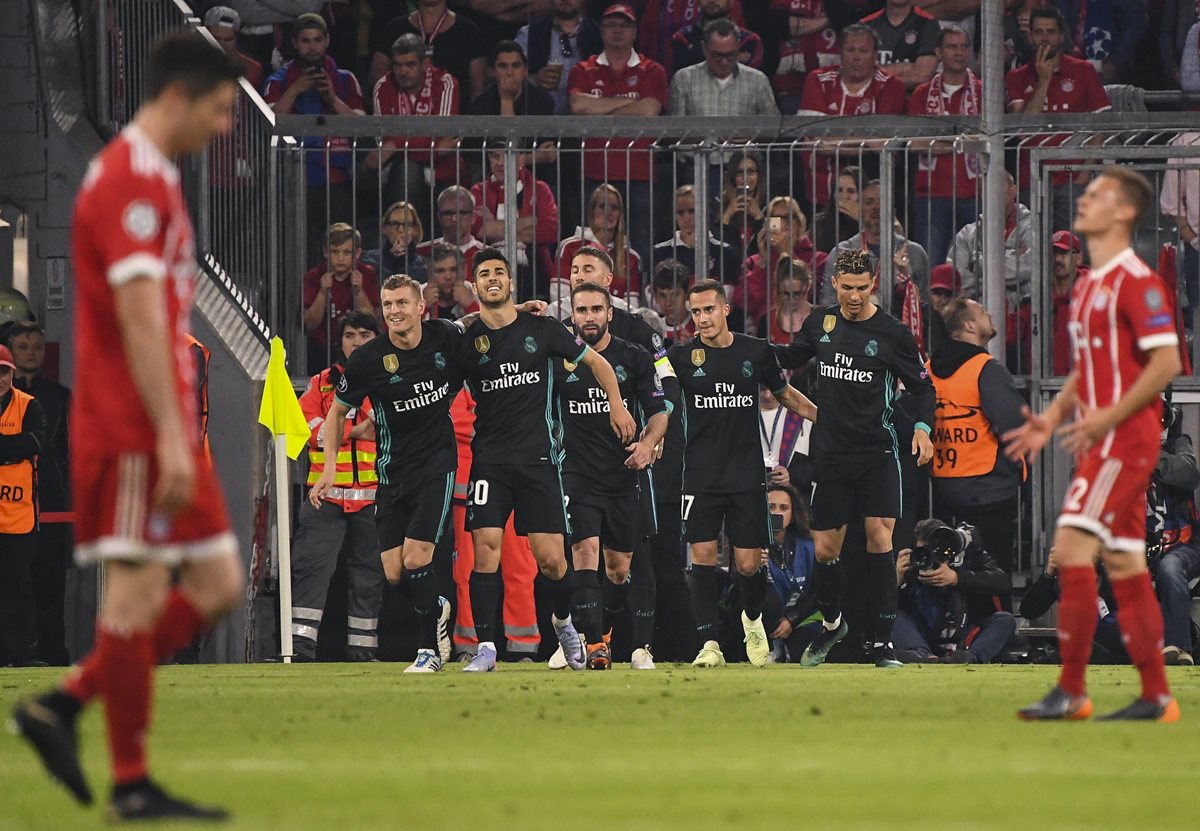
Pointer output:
x,y
18,513
963,442
355,478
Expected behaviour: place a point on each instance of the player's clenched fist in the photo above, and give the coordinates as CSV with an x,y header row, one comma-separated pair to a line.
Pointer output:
x,y
176,473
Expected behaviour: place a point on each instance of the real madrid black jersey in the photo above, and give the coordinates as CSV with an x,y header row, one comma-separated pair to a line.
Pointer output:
x,y
720,412
858,363
591,450
411,391
510,373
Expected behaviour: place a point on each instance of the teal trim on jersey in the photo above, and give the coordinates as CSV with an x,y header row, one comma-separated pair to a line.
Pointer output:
x,y
562,499
670,407
445,506
581,354
339,400
383,444
653,498
888,393
683,422
920,425
558,449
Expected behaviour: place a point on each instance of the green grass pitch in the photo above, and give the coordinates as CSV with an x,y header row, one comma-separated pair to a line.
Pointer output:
x,y
341,747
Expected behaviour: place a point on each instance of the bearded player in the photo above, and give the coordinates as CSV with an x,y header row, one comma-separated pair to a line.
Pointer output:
x,y
153,501
1126,352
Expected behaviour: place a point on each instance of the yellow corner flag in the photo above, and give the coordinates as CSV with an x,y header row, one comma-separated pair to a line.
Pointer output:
x,y
280,409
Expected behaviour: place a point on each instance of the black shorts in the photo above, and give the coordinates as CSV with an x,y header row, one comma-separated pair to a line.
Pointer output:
x,y
533,494
615,519
744,514
851,489
416,510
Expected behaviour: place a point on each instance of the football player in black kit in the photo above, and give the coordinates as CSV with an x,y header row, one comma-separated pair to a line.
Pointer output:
x,y
506,358
411,378
600,474
724,480
861,351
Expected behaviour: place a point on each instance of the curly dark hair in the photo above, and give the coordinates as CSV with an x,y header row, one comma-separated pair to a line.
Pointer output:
x,y
853,261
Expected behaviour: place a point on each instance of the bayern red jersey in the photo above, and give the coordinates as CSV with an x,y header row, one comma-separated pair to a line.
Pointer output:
x,y
611,160
949,174
825,94
130,221
438,95
1119,313
1074,88
800,55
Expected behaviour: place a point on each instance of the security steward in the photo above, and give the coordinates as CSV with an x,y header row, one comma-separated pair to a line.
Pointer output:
x,y
348,509
22,435
977,401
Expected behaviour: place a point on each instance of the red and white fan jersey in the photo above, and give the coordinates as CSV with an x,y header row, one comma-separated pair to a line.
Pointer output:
x,y
1119,313
130,221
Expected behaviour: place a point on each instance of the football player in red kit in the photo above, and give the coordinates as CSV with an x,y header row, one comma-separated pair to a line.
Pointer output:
x,y
1126,351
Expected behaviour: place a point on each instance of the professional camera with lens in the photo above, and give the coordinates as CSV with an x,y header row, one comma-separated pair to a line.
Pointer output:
x,y
945,545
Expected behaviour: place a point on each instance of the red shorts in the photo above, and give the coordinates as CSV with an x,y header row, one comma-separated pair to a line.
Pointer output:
x,y
114,519
1107,498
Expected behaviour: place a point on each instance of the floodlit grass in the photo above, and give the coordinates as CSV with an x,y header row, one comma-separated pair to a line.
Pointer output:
x,y
344,747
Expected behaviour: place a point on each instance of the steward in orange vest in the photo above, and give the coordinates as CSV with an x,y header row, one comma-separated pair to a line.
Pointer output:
x,y
977,402
346,515
22,434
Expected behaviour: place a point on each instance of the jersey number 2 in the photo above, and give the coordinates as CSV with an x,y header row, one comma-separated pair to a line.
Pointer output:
x,y
1073,503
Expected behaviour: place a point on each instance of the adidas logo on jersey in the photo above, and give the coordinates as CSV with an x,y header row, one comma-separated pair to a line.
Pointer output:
x,y
572,377
824,338
395,379
699,373
483,359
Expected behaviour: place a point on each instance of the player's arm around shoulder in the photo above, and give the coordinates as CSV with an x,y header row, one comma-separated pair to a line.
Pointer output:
x,y
622,423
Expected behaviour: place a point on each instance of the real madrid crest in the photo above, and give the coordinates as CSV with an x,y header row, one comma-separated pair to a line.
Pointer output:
x,y
698,357
482,344
829,322
391,363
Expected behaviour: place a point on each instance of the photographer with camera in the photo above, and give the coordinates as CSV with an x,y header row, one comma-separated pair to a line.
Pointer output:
x,y
1044,592
1170,534
950,591
790,611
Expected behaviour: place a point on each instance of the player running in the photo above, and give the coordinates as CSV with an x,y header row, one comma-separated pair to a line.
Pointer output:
x,y
723,474
153,501
861,351
600,474
507,359
411,378
1126,351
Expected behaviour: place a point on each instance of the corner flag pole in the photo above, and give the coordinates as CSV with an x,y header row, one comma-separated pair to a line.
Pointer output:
x,y
281,414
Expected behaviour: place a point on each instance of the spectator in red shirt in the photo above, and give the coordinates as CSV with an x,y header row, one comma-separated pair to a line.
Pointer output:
x,y
1068,268
312,84
807,42
223,23
661,19
537,222
620,82
1054,82
687,44
857,87
414,86
606,229
947,177
334,286
456,216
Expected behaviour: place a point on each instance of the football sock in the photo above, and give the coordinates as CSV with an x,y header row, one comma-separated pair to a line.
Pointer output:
x,y
484,587
1141,623
881,596
126,667
702,584
1077,618
587,605
642,594
615,597
562,595
754,592
827,588
422,583
177,627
